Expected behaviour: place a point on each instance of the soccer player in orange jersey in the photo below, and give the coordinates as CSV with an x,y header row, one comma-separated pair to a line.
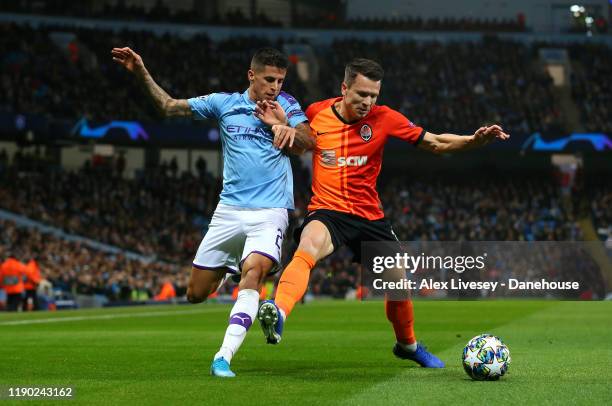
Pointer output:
x,y
351,132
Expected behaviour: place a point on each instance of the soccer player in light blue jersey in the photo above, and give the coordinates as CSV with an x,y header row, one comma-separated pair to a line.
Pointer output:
x,y
247,228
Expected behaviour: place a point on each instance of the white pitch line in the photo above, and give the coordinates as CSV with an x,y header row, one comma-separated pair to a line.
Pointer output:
x,y
103,317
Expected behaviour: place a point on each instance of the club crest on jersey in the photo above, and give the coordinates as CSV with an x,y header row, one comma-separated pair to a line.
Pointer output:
x,y
366,132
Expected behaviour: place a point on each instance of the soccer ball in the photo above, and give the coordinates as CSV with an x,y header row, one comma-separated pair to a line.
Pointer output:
x,y
486,358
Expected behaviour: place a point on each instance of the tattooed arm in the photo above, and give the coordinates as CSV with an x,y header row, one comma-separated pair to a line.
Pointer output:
x,y
165,104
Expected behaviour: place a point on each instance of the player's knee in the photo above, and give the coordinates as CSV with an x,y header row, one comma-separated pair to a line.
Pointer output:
x,y
193,297
196,294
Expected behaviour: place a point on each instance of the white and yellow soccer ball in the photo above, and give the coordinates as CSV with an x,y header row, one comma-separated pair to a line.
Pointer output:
x,y
486,358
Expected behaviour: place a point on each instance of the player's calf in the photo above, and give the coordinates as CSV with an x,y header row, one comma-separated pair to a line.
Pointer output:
x,y
194,298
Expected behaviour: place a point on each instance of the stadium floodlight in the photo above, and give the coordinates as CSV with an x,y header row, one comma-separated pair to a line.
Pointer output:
x,y
575,8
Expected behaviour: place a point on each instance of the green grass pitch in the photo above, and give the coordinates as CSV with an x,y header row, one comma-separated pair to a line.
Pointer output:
x,y
333,352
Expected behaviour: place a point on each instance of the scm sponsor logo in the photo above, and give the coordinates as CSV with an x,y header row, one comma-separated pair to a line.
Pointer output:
x,y
358,160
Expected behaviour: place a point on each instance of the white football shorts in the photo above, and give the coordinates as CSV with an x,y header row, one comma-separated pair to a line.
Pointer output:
x,y
235,232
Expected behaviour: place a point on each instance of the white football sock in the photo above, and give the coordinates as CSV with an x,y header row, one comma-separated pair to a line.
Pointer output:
x,y
282,314
241,317
409,347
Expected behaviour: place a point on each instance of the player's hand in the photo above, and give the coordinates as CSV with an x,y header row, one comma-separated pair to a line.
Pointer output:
x,y
283,135
129,59
485,135
270,112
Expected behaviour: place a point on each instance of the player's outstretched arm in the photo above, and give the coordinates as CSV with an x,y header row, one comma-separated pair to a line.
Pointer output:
x,y
296,140
304,140
444,143
165,104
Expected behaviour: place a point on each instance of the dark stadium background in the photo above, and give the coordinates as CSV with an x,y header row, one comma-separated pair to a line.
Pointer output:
x,y
111,201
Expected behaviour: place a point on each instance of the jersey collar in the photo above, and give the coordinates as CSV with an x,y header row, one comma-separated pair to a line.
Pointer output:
x,y
339,117
245,96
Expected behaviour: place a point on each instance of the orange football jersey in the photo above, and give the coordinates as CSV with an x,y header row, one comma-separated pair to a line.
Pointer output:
x,y
348,156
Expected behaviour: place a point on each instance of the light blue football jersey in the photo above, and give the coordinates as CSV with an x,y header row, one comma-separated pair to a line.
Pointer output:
x,y
256,174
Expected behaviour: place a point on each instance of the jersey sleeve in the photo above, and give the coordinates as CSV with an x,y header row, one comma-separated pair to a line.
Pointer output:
x,y
208,106
312,111
292,108
404,129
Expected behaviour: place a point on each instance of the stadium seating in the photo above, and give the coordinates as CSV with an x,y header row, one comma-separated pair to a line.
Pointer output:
x,y
457,86
76,270
161,213
236,18
158,214
35,74
592,86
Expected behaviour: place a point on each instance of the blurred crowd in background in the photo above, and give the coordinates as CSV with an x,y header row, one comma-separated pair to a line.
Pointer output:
x,y
592,86
438,86
34,74
161,214
73,270
456,85
237,18
321,16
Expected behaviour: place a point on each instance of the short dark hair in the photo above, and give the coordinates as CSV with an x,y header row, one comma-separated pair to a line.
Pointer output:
x,y
367,67
269,57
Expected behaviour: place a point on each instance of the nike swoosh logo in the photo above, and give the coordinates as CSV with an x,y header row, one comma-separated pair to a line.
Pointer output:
x,y
319,133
